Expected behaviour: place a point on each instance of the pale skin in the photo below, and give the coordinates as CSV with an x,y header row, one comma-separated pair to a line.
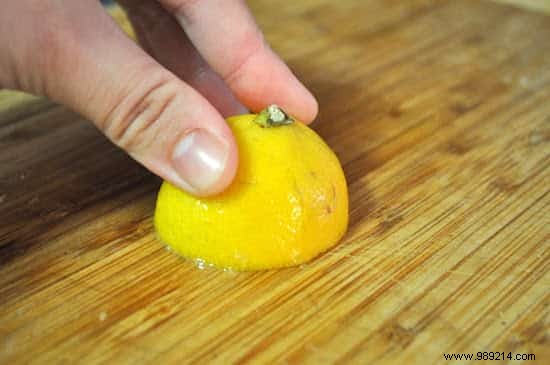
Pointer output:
x,y
164,103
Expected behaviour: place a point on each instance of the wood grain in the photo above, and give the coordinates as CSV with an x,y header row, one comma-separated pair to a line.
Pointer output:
x,y
533,5
440,114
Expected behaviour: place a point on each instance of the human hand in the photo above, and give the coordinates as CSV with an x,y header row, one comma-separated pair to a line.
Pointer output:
x,y
164,104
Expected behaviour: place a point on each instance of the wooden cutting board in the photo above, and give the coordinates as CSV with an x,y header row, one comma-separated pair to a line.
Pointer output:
x,y
440,114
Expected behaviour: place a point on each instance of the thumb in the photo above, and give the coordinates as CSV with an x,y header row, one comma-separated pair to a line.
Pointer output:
x,y
88,64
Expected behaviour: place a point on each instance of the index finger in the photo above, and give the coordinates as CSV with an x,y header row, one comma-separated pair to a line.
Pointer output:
x,y
226,35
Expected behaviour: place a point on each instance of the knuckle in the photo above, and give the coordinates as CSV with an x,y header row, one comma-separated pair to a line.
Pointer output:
x,y
137,117
249,45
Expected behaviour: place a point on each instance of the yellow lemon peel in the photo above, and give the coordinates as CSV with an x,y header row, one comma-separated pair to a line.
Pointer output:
x,y
287,204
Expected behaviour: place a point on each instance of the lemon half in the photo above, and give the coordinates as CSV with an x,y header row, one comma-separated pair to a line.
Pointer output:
x,y
287,204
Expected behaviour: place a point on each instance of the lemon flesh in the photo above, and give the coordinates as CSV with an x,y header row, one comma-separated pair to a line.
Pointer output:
x,y
287,204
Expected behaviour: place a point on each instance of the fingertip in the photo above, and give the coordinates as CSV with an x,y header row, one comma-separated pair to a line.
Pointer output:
x,y
298,102
194,169
205,161
228,174
308,109
301,102
268,80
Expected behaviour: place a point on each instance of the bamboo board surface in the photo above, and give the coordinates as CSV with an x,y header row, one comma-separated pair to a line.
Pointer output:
x,y
440,114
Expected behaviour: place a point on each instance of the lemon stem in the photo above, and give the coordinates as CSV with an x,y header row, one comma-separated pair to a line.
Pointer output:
x,y
273,116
